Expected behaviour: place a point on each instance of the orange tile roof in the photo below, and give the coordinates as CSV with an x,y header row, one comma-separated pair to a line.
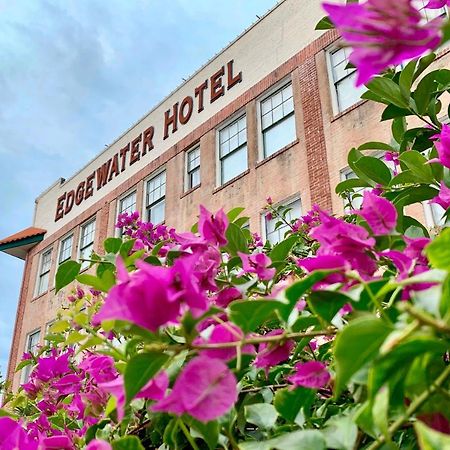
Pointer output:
x,y
24,234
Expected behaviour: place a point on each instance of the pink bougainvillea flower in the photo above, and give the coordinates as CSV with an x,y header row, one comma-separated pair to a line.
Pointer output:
x,y
153,390
312,374
52,366
205,389
68,384
100,367
436,4
60,442
271,354
383,33
415,249
442,144
98,444
213,228
227,295
141,298
14,437
324,262
221,333
443,198
257,263
379,213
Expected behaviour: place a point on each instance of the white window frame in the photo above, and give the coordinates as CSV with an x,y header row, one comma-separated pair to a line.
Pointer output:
x,y
26,371
42,273
332,83
286,203
69,236
118,231
187,172
85,265
161,199
234,118
271,91
430,217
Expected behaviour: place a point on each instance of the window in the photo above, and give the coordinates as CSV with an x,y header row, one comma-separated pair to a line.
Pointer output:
x,y
233,150
275,234
31,346
356,197
156,198
428,14
65,249
193,168
44,272
127,204
345,94
278,120
434,214
86,242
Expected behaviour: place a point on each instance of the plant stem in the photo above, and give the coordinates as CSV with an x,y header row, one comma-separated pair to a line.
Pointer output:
x,y
423,318
264,339
188,435
413,407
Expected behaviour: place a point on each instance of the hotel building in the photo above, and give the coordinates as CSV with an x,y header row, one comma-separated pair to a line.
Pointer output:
x,y
273,114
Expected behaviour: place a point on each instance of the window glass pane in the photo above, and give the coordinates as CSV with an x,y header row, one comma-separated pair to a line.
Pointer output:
x,y
193,159
43,283
128,204
65,250
278,136
276,235
194,178
347,93
87,234
232,136
234,164
277,106
156,188
156,212
437,213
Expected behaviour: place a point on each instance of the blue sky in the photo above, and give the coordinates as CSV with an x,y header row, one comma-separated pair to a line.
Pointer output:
x,y
75,74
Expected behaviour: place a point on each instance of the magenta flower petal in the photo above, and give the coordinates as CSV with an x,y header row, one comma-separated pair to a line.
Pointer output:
x,y
442,145
98,444
205,389
257,263
271,354
443,198
143,300
383,33
379,213
436,4
213,228
312,374
155,388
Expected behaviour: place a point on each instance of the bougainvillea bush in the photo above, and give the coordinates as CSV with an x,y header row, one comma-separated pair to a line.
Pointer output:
x,y
337,337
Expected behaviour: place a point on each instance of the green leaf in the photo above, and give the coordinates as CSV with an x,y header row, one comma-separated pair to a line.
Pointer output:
x,y
236,239
112,245
126,248
388,90
438,251
263,415
350,184
66,273
424,63
140,369
307,439
128,443
406,79
250,314
374,169
326,304
304,322
418,165
234,213
430,439
380,411
282,249
295,291
405,177
392,111
289,402
424,91
74,337
356,345
398,129
340,432
324,24
59,326
375,146
209,431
